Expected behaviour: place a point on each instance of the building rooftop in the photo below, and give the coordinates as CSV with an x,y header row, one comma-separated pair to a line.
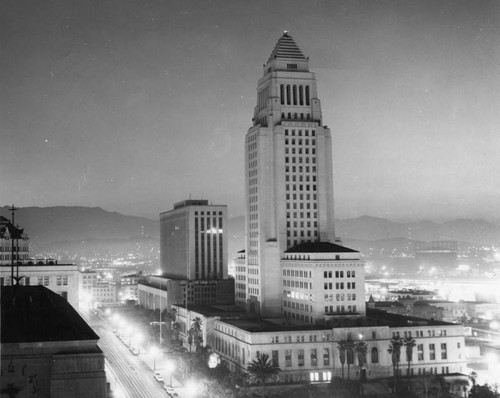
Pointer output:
x,y
272,325
36,314
373,318
320,247
222,311
286,48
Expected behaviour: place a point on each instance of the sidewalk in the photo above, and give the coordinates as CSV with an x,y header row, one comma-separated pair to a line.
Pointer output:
x,y
158,364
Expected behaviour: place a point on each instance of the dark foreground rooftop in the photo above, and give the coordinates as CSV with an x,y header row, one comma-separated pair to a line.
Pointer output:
x,y
36,314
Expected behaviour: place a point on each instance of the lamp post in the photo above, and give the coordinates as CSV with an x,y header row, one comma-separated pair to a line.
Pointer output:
x,y
170,369
192,388
154,351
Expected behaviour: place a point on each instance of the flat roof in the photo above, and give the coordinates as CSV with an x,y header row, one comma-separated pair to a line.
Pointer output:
x,y
373,318
221,311
319,247
37,314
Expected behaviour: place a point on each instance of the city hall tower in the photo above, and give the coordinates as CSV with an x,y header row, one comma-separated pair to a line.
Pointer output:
x,y
289,183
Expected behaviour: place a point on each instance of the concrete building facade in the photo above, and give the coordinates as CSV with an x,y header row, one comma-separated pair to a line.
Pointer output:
x,y
312,354
288,173
193,241
60,278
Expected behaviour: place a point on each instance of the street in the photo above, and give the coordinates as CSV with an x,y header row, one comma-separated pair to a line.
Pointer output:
x,y
127,374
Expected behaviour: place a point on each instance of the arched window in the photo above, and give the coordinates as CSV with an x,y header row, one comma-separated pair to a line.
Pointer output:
x,y
294,94
282,94
374,355
301,95
288,95
307,96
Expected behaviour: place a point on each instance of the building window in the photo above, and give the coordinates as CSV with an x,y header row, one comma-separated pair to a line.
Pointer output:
x,y
288,358
45,281
326,356
432,352
444,353
314,357
300,357
374,355
420,352
276,359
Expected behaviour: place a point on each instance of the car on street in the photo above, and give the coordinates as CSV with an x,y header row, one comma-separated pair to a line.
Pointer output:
x,y
158,376
170,391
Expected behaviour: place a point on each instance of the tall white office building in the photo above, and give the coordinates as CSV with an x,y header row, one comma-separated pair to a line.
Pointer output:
x,y
289,191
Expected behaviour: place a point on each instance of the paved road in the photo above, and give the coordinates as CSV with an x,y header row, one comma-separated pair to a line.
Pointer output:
x,y
128,375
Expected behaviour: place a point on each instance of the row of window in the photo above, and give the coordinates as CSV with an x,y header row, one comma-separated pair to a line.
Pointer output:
x,y
302,234
300,178
298,295
339,285
301,214
300,169
297,306
299,141
299,133
341,297
297,284
301,197
298,151
299,159
420,333
297,273
297,317
339,274
340,309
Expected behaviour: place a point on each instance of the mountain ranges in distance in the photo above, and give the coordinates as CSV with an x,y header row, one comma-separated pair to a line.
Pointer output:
x,y
68,225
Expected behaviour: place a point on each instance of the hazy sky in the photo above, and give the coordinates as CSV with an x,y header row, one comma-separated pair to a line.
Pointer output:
x,y
134,105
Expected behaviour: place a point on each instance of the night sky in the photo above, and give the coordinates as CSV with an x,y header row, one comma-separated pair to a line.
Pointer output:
x,y
134,105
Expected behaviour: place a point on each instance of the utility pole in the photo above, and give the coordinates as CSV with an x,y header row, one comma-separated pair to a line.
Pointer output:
x,y
12,212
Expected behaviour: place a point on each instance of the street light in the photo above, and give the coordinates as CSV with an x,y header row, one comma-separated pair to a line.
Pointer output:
x,y
139,338
192,388
154,350
170,365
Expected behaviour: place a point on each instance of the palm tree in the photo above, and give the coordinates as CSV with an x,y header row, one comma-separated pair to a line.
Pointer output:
x,y
395,351
176,327
409,343
350,355
361,349
342,346
473,377
195,334
262,370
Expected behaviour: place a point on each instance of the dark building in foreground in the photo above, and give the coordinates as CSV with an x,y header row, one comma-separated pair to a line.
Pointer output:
x,y
47,349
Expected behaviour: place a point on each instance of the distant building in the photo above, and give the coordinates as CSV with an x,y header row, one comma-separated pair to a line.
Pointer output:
x,y
103,291
156,292
129,287
240,277
13,240
437,254
60,278
194,262
193,241
42,358
414,294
